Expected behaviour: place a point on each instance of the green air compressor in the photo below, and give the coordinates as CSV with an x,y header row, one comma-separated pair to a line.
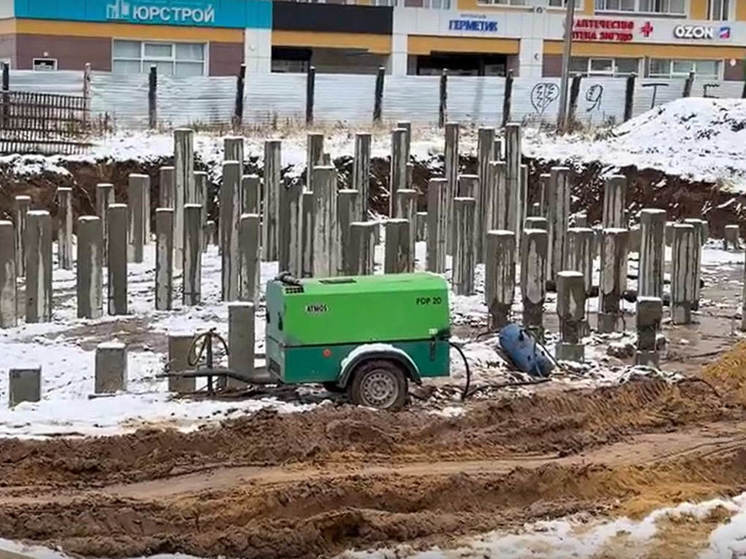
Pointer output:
x,y
368,335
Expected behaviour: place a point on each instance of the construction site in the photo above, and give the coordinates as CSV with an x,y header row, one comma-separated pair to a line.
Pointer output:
x,y
398,341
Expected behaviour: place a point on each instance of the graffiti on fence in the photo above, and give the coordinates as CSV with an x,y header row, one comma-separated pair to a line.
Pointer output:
x,y
655,86
543,94
706,90
594,95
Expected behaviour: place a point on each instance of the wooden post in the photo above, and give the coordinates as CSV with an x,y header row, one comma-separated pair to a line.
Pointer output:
x,y
6,97
152,98
443,108
507,99
574,93
310,90
87,91
688,85
378,102
629,97
240,87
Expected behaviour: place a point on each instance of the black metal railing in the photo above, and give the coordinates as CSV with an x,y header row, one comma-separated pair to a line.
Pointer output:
x,y
42,123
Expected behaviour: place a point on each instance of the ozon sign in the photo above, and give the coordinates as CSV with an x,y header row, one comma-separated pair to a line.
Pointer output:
x,y
693,32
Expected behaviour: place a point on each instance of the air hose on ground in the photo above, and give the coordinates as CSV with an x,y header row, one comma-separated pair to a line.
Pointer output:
x,y
467,391
194,356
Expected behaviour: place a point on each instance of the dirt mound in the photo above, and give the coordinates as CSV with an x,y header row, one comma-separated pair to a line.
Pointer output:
x,y
728,374
563,424
321,517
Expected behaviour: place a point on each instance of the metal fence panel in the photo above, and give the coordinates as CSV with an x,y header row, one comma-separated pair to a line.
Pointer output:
x,y
275,98
344,98
32,122
413,98
476,99
63,82
196,101
650,92
601,101
123,99
535,100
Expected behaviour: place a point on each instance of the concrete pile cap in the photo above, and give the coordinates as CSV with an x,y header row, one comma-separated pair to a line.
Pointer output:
x,y
87,218
23,198
164,210
64,189
181,334
649,300
583,229
118,206
6,223
570,274
615,230
138,176
240,305
111,345
38,212
506,233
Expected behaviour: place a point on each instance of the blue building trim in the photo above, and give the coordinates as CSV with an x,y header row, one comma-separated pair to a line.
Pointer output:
x,y
241,14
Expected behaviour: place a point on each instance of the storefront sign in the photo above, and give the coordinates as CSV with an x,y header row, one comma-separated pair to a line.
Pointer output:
x,y
478,25
149,13
606,30
202,13
703,32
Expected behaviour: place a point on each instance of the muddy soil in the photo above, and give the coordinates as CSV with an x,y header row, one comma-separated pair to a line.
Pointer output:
x,y
648,188
314,484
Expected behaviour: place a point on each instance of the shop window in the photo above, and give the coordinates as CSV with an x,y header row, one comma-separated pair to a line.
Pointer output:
x,y
171,59
662,6
290,60
668,68
44,64
720,10
505,2
612,67
616,5
673,7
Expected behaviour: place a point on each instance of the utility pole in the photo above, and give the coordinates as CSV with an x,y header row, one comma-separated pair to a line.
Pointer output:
x,y
567,51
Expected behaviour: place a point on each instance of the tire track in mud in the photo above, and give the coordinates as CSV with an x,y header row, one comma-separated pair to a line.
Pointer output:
x,y
552,423
300,515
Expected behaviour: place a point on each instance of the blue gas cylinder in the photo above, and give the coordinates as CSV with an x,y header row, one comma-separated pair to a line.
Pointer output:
x,y
523,349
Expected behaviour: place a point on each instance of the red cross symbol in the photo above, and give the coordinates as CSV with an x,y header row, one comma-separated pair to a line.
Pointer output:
x,y
646,29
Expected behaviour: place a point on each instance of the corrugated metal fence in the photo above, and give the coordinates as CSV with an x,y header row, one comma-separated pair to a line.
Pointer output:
x,y
277,99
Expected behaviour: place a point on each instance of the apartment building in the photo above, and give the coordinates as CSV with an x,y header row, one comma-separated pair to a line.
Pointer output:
x,y
652,38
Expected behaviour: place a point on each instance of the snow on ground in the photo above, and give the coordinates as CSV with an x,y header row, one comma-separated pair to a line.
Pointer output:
x,y
151,146
65,349
701,139
697,138
582,537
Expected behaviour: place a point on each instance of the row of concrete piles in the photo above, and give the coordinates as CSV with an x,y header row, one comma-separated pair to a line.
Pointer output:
x,y
313,228
487,218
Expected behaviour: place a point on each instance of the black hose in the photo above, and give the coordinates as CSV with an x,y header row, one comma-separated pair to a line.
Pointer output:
x,y
467,386
194,357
